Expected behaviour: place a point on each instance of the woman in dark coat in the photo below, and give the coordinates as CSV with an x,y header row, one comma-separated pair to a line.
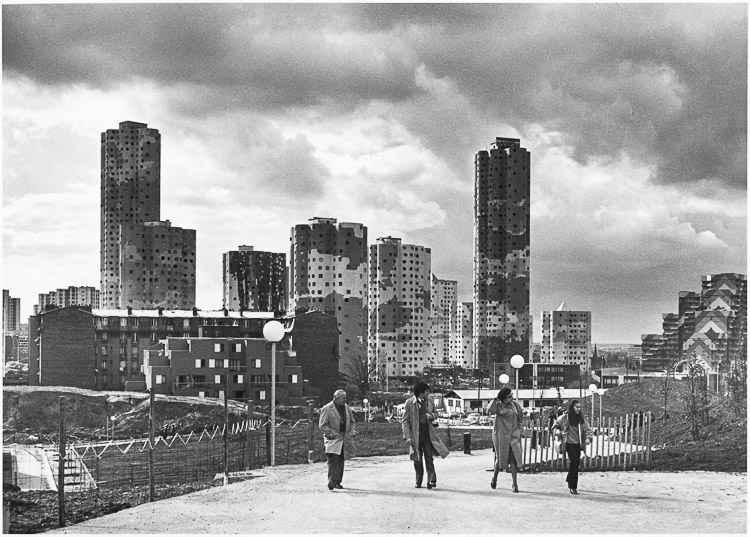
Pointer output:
x,y
506,434
576,433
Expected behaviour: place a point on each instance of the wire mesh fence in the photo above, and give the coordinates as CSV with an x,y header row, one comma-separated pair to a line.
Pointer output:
x,y
105,477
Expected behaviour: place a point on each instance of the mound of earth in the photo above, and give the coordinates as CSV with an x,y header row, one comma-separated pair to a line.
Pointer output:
x,y
31,414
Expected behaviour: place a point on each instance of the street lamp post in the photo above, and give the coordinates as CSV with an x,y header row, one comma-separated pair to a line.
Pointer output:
x,y
273,331
366,403
504,379
479,388
600,391
517,363
592,388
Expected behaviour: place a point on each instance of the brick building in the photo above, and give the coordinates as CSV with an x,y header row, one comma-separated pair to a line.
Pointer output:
x,y
61,352
104,349
199,367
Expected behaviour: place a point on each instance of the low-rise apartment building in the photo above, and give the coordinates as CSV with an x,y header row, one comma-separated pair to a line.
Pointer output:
x,y
213,367
104,349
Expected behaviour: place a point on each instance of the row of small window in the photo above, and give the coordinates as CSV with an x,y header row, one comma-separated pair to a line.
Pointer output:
x,y
187,380
104,322
200,363
134,352
233,347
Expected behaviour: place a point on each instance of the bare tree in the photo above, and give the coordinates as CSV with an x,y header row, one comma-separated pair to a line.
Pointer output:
x,y
695,400
737,383
359,373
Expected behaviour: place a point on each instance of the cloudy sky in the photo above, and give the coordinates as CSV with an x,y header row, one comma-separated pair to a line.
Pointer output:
x,y
635,116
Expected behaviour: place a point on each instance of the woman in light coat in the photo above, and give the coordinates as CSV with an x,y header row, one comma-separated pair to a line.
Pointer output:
x,y
506,435
418,431
574,431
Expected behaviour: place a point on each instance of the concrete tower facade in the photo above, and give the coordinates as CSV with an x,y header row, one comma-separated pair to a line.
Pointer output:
x,y
11,312
444,301
157,266
254,280
728,293
462,336
399,307
328,273
502,322
130,194
72,296
566,338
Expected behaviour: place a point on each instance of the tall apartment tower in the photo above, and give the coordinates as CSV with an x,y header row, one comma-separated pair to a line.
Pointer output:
x,y
130,194
328,273
444,301
157,266
399,306
11,312
670,330
502,322
728,293
689,303
462,337
566,338
72,296
254,280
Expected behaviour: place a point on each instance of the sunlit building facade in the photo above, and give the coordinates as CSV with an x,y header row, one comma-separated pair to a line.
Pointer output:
x,y
443,313
328,273
399,307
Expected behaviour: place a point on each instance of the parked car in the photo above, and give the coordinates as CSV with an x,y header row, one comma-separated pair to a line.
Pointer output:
x,y
487,420
472,419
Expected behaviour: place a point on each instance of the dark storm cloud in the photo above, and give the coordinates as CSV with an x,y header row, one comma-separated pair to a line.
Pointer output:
x,y
665,83
238,54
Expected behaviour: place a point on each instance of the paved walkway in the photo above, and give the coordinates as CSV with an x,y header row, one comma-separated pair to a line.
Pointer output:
x,y
380,498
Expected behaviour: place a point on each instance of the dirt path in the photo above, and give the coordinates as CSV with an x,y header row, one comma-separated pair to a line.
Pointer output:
x,y
380,498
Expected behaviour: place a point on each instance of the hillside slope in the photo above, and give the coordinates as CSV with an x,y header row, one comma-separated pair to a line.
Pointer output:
x,y
31,415
35,411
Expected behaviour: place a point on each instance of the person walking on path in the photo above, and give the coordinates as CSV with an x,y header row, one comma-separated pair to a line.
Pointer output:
x,y
418,431
574,430
337,425
506,435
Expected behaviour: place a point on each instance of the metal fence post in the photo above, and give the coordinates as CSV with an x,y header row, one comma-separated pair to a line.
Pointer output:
x,y
625,447
310,438
151,399
226,428
61,467
648,444
251,417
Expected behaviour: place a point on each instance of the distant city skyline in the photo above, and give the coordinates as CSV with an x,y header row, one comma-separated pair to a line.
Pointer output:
x,y
272,114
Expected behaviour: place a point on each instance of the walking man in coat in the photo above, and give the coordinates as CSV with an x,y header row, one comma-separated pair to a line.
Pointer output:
x,y
418,431
337,425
